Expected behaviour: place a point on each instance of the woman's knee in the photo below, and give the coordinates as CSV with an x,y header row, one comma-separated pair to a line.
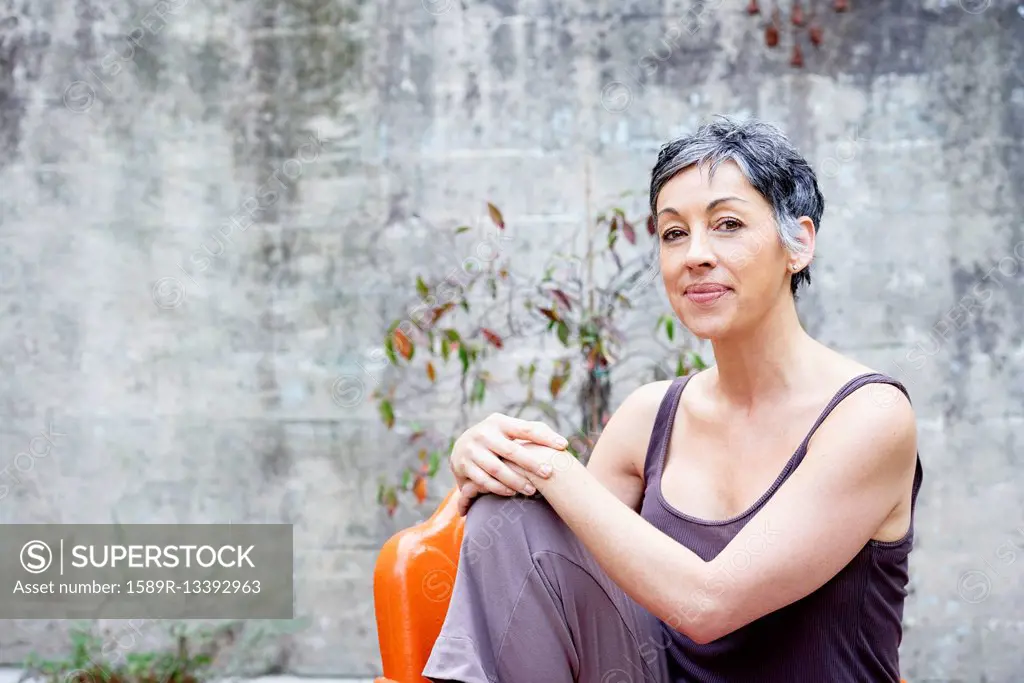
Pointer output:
x,y
514,523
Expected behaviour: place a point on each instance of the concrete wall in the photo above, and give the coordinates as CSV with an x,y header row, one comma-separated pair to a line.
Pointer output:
x,y
186,367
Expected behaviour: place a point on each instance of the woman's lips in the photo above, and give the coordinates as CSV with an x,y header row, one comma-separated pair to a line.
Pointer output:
x,y
706,297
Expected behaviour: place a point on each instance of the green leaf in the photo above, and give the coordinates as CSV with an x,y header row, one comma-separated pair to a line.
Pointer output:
x,y
492,285
697,362
421,287
446,349
389,350
465,305
479,387
670,328
452,335
461,229
563,333
434,463
464,357
406,479
680,366
387,413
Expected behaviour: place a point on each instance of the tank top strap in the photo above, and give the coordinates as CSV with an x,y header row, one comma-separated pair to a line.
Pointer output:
x,y
662,430
847,389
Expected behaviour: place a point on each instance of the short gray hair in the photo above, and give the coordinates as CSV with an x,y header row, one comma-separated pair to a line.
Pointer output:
x,y
768,160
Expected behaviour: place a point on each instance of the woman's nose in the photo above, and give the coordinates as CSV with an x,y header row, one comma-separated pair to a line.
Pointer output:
x,y
700,252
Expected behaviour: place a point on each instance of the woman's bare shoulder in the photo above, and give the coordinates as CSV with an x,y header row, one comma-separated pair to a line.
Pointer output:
x,y
634,419
642,404
618,457
871,398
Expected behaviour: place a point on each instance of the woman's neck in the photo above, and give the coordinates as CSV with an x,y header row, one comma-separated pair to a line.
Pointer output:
x,y
763,363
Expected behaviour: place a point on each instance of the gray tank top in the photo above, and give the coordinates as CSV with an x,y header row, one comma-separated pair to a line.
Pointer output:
x,y
847,631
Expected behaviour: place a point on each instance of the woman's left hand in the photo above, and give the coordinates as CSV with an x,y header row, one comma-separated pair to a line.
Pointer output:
x,y
470,490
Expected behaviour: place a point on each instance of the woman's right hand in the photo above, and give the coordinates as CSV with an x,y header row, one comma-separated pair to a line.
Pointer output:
x,y
486,455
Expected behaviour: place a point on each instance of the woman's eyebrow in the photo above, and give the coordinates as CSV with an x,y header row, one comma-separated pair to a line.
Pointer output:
x,y
711,205
715,202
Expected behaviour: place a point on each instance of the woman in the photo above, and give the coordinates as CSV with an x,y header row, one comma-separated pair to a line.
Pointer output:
x,y
751,522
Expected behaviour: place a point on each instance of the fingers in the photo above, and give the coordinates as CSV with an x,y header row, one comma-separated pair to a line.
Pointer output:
x,y
514,452
553,459
529,430
467,494
518,470
493,457
501,470
485,482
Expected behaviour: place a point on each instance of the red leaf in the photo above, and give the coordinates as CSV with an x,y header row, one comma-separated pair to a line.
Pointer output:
x,y
652,225
563,298
402,344
496,215
815,35
556,384
493,338
798,56
841,6
420,488
550,314
628,231
752,8
797,15
430,371
440,311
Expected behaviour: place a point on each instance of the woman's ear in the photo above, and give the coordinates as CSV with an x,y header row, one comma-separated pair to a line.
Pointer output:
x,y
806,237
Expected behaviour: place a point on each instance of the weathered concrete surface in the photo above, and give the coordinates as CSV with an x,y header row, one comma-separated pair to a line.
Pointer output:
x,y
188,368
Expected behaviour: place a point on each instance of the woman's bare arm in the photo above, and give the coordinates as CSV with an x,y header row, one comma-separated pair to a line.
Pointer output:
x,y
617,460
856,471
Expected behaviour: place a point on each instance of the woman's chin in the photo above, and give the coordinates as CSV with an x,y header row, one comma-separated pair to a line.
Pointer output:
x,y
707,327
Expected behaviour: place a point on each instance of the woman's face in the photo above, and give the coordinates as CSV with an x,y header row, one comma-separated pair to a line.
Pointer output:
x,y
721,259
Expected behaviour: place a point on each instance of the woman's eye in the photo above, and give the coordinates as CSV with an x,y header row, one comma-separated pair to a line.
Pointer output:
x,y
672,233
730,224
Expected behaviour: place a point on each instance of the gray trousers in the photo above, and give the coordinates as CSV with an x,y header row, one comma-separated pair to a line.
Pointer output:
x,y
530,605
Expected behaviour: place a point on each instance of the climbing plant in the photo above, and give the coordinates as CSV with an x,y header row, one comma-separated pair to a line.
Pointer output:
x,y
802,23
567,321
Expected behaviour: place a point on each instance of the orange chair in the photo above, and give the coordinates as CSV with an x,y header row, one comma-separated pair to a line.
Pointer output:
x,y
412,583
